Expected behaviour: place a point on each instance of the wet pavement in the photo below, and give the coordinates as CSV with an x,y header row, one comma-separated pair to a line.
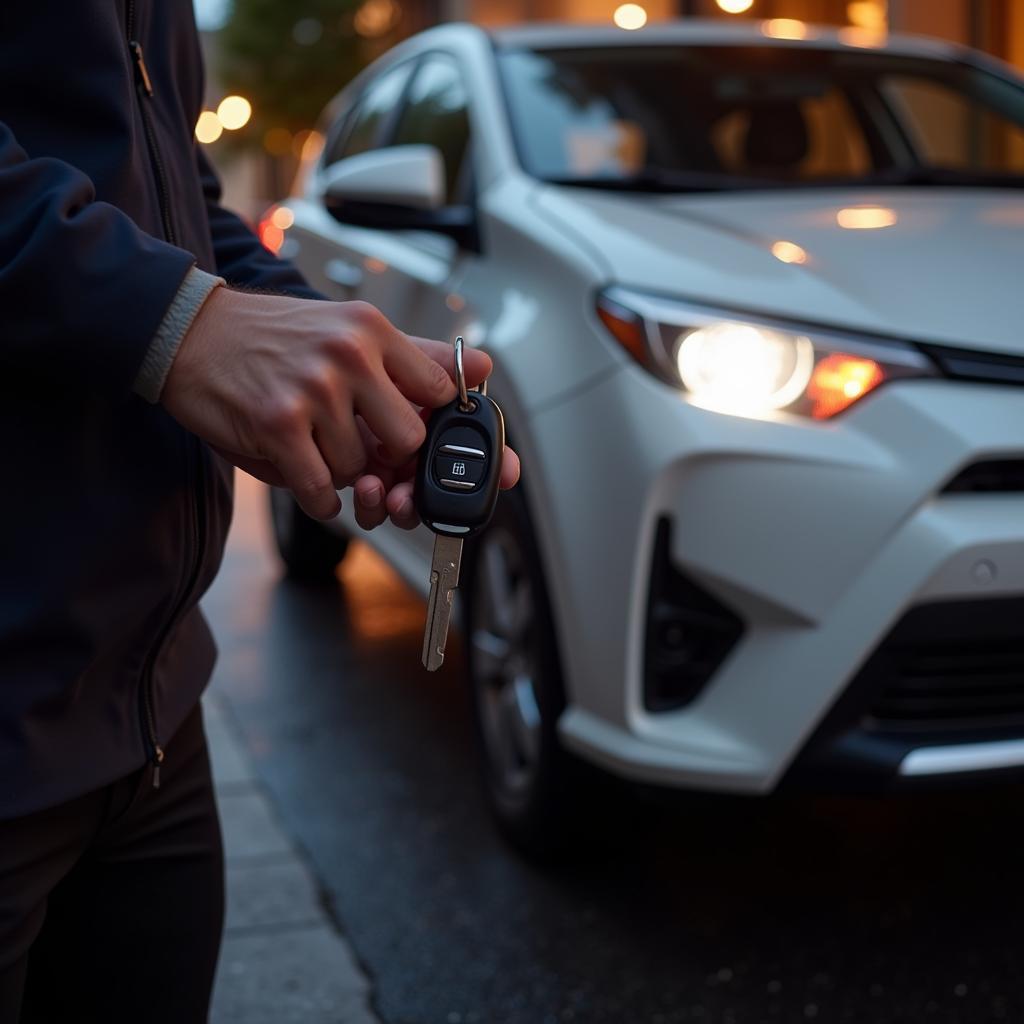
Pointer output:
x,y
696,910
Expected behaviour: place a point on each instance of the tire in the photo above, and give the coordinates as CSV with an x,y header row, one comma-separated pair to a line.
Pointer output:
x,y
535,790
309,550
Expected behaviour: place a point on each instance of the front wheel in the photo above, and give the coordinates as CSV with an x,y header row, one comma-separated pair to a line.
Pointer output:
x,y
533,786
310,551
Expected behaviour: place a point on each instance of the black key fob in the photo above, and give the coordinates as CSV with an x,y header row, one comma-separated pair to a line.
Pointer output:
x,y
456,484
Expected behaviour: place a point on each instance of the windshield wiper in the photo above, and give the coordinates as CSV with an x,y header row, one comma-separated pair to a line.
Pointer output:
x,y
653,179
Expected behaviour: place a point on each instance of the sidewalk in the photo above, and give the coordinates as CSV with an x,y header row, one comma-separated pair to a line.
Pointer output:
x,y
283,959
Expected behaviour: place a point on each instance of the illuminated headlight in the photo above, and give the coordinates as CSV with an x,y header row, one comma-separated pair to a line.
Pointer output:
x,y
741,366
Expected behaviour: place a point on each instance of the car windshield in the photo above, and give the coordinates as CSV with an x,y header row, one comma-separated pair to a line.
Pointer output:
x,y
680,118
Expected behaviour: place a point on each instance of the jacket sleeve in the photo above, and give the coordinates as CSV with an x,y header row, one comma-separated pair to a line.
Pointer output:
x,y
241,258
82,287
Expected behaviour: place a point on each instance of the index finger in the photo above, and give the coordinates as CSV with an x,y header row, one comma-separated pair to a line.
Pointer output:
x,y
477,364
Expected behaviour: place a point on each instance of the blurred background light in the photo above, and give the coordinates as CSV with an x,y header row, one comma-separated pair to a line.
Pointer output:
x,y
282,218
208,127
234,112
630,16
376,17
277,141
868,14
785,28
735,6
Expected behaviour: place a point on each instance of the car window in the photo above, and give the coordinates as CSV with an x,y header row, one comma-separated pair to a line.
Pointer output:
x,y
670,117
834,143
436,113
950,128
364,124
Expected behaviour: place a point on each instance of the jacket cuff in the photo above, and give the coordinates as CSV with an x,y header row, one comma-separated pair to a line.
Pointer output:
x,y
156,364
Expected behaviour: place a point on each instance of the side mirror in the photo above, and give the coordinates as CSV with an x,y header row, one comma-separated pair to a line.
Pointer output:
x,y
409,176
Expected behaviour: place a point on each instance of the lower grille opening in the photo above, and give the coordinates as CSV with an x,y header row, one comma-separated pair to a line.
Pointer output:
x,y
950,669
990,477
689,632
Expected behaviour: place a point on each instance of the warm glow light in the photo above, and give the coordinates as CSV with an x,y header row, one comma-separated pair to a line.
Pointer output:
x,y
789,252
743,369
375,265
861,37
271,235
456,303
208,127
277,141
865,218
735,6
234,112
282,218
376,17
868,14
839,380
784,28
630,16
307,144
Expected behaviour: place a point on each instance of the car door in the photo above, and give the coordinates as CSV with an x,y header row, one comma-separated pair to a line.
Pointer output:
x,y
408,274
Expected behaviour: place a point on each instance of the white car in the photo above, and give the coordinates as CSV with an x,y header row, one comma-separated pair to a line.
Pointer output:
x,y
755,299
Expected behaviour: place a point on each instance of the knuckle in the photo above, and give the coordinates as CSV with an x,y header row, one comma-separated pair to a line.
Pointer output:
x,y
351,350
438,379
350,466
282,416
413,434
316,491
317,385
366,315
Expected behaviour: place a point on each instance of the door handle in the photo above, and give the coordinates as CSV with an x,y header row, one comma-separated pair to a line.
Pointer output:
x,y
348,275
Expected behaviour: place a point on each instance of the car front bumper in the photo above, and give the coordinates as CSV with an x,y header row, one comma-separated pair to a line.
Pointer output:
x,y
818,536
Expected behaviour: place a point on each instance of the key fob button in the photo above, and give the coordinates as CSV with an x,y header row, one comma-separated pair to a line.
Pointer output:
x,y
455,473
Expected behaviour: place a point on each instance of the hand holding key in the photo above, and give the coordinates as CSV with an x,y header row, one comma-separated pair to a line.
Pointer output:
x,y
457,482
383,491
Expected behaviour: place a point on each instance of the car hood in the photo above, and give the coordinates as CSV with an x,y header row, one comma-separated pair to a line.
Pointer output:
x,y
944,265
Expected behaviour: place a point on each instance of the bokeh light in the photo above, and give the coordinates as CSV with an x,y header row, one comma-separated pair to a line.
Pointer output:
x,y
376,17
735,6
208,127
630,16
234,112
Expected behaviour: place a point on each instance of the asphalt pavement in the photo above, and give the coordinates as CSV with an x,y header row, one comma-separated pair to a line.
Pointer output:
x,y
697,910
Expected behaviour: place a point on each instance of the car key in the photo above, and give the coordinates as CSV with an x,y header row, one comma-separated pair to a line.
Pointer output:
x,y
455,492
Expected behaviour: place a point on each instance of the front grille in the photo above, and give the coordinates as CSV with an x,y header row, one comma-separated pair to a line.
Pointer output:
x,y
993,476
949,669
938,689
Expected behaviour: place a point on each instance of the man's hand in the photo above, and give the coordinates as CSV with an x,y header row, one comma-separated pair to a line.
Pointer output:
x,y
313,396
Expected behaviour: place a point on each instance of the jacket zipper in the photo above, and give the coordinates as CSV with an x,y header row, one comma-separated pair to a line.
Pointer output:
x,y
146,709
144,88
147,714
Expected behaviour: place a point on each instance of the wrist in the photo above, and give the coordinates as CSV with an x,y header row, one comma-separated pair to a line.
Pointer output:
x,y
192,296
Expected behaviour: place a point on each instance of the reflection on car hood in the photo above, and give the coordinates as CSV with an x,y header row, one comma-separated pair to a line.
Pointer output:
x,y
944,265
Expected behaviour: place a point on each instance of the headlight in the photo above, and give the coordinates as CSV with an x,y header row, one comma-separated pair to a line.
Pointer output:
x,y
739,365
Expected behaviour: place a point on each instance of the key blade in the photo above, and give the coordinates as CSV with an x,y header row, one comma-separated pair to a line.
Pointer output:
x,y
444,578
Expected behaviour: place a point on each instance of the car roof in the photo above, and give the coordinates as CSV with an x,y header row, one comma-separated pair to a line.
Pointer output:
x,y
716,32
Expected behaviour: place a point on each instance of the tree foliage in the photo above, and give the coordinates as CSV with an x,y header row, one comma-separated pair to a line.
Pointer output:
x,y
289,57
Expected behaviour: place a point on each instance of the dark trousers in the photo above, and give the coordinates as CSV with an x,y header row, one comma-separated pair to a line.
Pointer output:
x,y
112,905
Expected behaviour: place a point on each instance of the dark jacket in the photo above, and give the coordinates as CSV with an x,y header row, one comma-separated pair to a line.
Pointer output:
x,y
113,517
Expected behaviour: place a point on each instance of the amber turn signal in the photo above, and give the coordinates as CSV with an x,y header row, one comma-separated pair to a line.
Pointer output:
x,y
839,380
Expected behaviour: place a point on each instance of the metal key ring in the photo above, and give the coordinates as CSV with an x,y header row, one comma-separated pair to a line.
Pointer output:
x,y
460,375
